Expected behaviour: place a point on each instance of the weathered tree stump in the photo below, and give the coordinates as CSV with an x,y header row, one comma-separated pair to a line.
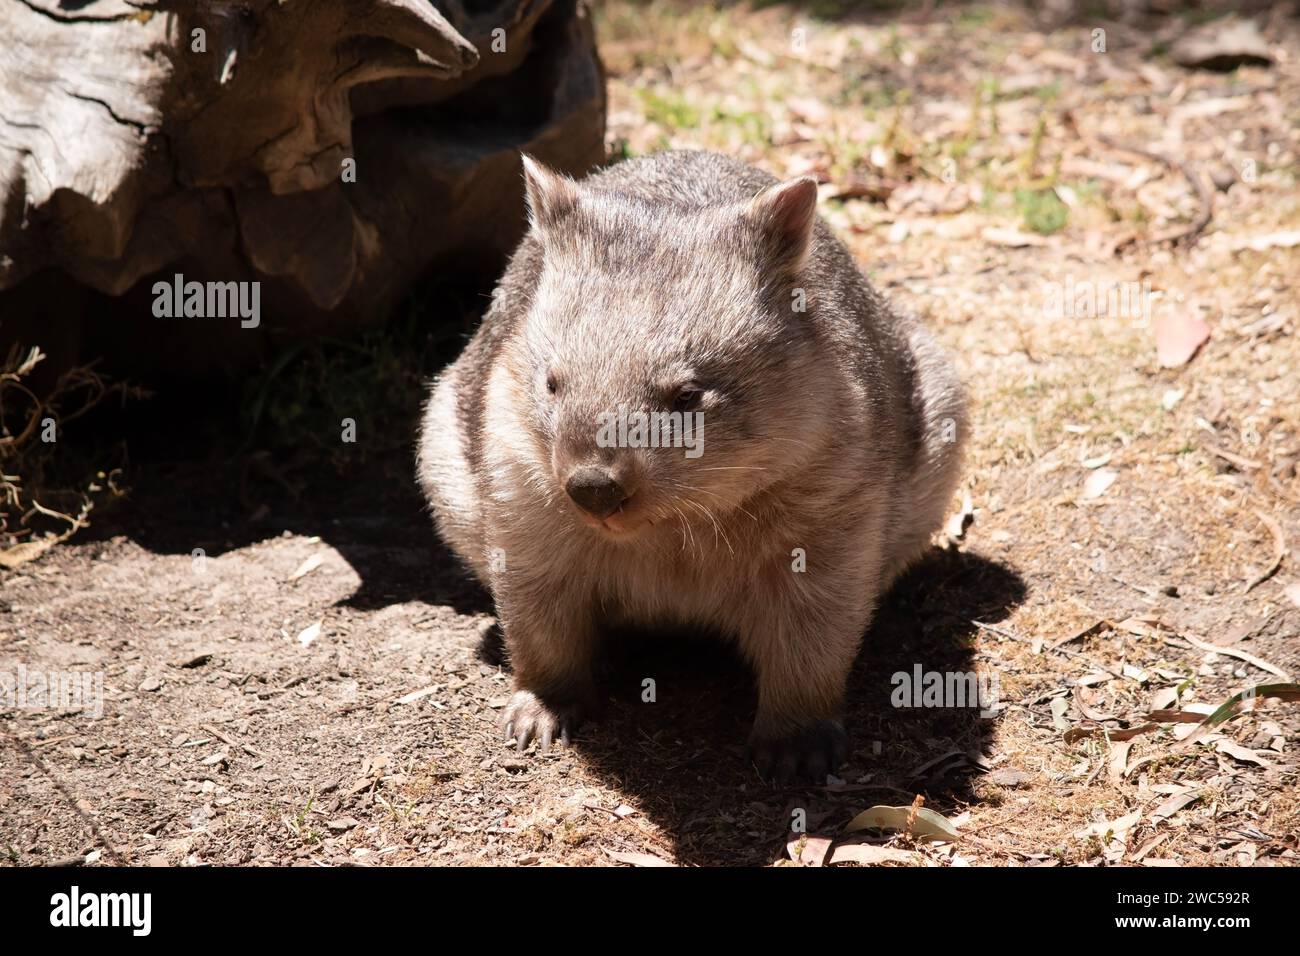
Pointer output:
x,y
333,150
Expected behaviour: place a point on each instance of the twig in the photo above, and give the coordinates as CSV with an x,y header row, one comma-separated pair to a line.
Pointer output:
x,y
1185,235
1279,550
1246,464
31,755
1188,234
1240,655
1002,632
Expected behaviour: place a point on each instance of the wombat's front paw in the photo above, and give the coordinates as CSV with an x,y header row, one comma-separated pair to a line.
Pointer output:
x,y
808,754
528,718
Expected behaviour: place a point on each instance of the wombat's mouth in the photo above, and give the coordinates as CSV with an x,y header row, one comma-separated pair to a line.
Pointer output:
x,y
622,522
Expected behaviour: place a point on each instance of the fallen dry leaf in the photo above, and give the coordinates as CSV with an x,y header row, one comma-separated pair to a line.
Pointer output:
x,y
1175,803
924,824
1098,482
1112,833
808,850
1239,654
27,551
1178,338
1118,761
1238,752
1237,703
868,855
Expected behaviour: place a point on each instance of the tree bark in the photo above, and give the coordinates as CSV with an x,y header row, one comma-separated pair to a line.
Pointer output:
x,y
138,139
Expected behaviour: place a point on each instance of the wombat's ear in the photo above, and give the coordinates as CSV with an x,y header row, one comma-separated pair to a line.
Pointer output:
x,y
550,195
786,213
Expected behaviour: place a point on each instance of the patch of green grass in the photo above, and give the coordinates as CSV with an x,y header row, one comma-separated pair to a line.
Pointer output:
x,y
848,153
1049,91
301,827
879,97
973,17
669,110
754,127
1042,210
1197,17
832,10
1088,190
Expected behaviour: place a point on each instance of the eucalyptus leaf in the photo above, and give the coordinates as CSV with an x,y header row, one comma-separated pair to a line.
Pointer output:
x,y
927,824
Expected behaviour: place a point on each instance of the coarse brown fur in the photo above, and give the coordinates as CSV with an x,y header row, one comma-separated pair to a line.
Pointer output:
x,y
833,427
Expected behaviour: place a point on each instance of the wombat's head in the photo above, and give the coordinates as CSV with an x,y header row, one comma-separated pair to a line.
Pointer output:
x,y
666,362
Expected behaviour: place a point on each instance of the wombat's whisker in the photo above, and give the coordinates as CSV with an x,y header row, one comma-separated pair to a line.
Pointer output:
x,y
717,528
681,486
685,529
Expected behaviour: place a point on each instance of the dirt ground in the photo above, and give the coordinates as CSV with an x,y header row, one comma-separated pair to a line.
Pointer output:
x,y
320,685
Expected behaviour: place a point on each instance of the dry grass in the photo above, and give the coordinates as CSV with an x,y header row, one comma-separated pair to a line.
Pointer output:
x,y
40,504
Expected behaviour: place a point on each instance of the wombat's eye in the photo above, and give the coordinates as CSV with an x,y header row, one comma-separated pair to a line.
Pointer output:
x,y
687,398
552,383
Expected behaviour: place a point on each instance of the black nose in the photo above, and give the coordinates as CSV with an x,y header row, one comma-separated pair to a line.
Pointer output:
x,y
595,491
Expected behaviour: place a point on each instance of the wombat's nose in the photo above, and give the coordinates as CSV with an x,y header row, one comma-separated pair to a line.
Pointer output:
x,y
595,491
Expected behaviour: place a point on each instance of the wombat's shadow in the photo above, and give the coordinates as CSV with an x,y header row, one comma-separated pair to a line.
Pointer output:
x,y
681,758
223,500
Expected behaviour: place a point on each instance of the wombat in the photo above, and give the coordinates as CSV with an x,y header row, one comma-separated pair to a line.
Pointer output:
x,y
686,406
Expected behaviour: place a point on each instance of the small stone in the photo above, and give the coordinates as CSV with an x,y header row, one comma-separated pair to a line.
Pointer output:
x,y
1009,778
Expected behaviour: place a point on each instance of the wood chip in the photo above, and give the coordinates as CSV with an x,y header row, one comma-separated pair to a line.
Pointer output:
x,y
1098,483
309,634
415,695
307,567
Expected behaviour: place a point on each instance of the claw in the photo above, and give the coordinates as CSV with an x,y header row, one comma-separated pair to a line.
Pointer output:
x,y
808,754
528,718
